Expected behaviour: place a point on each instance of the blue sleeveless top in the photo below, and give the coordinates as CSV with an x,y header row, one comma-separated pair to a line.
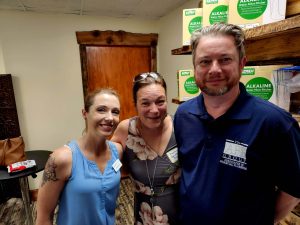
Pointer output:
x,y
89,197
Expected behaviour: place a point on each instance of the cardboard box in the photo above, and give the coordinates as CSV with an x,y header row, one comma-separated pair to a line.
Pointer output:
x,y
187,87
191,21
252,13
259,82
215,11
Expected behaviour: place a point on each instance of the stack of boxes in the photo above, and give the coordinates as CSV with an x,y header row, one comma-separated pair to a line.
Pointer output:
x,y
191,21
245,13
253,13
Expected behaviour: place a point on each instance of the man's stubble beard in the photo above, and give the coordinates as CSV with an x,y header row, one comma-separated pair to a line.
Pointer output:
x,y
215,92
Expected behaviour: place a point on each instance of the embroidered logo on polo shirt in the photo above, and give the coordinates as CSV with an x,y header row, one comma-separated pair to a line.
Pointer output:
x,y
234,154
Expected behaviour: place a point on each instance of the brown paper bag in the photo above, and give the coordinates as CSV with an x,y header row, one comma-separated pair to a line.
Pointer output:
x,y
12,150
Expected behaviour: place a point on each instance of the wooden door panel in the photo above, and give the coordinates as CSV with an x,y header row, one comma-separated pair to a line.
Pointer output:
x,y
115,67
112,59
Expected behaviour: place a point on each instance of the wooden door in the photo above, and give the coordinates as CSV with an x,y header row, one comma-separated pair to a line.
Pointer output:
x,y
112,59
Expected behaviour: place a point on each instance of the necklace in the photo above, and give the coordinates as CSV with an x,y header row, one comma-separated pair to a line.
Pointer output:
x,y
147,134
151,184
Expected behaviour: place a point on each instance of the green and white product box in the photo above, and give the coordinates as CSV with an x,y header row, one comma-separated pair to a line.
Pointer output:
x,y
259,82
215,11
191,21
187,87
252,13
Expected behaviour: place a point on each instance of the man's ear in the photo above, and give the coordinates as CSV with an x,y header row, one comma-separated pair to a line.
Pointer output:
x,y
243,62
83,113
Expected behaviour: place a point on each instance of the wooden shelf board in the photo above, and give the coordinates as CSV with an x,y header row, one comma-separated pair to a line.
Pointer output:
x,y
297,117
184,50
289,25
274,43
292,8
176,101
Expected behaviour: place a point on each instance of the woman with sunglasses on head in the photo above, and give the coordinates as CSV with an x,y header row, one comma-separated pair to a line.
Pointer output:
x,y
83,177
151,152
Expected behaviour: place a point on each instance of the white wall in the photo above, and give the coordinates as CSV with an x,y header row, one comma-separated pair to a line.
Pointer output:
x,y
170,37
2,68
42,54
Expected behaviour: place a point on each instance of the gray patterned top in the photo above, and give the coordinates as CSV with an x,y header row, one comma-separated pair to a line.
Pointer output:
x,y
147,169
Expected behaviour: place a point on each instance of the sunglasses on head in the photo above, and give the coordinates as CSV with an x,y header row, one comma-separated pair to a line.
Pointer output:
x,y
143,76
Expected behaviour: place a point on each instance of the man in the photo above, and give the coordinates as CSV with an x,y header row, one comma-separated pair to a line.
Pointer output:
x,y
240,155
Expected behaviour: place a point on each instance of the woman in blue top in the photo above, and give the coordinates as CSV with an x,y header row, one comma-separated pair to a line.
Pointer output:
x,y
83,177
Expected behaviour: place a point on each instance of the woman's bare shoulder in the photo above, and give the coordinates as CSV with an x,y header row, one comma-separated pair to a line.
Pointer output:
x,y
62,155
121,132
123,125
119,148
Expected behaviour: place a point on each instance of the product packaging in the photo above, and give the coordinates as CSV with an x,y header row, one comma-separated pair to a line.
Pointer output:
x,y
215,11
191,21
259,81
187,87
20,166
252,13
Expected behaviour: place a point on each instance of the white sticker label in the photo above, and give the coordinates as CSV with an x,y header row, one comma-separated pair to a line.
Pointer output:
x,y
173,155
117,165
234,154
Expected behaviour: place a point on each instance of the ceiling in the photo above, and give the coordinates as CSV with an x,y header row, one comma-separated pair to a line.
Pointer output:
x,y
144,9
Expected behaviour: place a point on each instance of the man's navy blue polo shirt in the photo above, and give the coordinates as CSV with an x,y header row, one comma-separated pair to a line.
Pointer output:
x,y
232,164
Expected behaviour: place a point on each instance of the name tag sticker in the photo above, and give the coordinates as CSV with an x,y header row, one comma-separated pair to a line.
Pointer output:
x,y
117,165
173,155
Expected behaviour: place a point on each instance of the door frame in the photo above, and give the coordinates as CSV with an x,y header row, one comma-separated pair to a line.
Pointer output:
x,y
113,38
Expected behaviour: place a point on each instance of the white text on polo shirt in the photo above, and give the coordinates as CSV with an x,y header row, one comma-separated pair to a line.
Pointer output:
x,y
234,154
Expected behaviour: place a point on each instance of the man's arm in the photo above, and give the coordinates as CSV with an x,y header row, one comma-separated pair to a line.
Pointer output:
x,y
284,204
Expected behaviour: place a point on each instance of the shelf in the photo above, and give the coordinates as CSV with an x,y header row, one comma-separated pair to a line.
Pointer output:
x,y
176,101
297,117
184,50
292,8
274,43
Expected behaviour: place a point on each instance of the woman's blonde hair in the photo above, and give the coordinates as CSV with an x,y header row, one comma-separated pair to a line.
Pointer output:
x,y
89,98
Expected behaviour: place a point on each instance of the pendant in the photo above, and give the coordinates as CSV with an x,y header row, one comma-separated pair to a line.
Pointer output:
x,y
152,191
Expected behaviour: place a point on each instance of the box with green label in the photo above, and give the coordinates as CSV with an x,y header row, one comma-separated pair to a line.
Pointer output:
x,y
215,11
252,13
191,21
259,82
187,87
